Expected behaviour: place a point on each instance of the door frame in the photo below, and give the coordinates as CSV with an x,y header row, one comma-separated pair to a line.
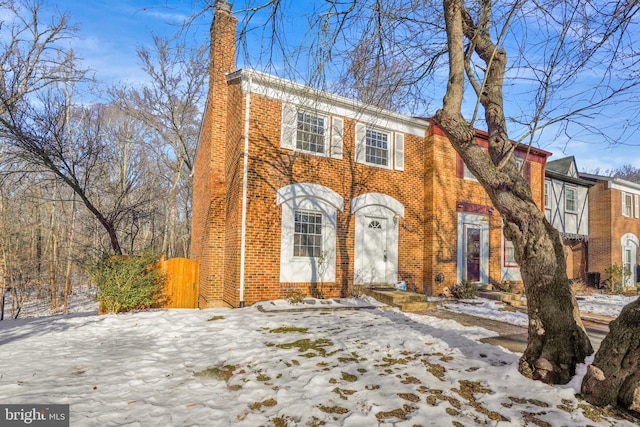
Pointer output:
x,y
466,220
631,243
369,206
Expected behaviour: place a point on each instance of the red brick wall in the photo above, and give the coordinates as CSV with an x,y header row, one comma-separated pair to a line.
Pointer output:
x,y
601,208
271,168
607,226
209,206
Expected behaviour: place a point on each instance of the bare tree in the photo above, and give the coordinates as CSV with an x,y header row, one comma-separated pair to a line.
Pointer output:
x,y
170,107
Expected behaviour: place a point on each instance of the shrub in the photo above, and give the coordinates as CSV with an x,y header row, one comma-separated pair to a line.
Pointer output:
x,y
613,281
464,290
127,283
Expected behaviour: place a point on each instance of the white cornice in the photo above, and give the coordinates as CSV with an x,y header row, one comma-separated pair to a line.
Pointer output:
x,y
624,185
295,93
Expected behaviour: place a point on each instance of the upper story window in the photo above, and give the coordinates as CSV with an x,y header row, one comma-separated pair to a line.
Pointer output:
x,y
570,199
379,147
307,235
547,194
627,205
311,133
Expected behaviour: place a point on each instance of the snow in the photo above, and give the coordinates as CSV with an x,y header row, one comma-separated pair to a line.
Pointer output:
x,y
364,364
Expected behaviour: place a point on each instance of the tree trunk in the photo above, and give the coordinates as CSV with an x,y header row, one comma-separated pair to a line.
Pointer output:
x,y
557,340
614,376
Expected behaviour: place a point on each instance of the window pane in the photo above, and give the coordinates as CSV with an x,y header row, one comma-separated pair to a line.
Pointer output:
x,y
307,238
377,147
310,136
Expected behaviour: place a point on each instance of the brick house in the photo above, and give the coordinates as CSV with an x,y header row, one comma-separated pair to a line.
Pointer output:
x,y
301,190
566,206
614,223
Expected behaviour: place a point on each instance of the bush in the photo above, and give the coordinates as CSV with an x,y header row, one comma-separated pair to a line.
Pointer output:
x,y
464,290
613,282
127,283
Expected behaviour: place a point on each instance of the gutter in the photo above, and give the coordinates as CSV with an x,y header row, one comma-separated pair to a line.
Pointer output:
x,y
245,178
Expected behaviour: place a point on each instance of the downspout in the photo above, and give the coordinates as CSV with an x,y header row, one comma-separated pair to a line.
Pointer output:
x,y
245,178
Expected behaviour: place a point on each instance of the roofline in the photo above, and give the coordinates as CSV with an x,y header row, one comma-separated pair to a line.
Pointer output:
x,y
567,178
610,180
289,86
485,135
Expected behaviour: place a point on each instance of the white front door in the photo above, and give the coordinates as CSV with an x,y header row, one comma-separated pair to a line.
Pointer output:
x,y
375,250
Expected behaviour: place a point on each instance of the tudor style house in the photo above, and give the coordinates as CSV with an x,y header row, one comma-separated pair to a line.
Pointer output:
x,y
566,206
297,190
614,223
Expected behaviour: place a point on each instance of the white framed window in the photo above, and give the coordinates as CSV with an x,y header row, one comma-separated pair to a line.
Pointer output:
x,y
570,199
547,194
636,205
468,174
627,205
310,135
379,147
310,132
308,232
509,254
307,235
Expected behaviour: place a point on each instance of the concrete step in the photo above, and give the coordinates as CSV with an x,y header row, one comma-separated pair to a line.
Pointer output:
x,y
415,307
506,297
410,302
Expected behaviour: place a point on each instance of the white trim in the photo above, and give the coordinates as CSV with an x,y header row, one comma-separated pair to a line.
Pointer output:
x,y
288,91
622,185
630,241
398,151
377,199
337,138
311,197
309,190
465,218
367,207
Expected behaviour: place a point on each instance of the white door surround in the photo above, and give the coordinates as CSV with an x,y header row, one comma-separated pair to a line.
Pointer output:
x,y
376,238
473,248
630,244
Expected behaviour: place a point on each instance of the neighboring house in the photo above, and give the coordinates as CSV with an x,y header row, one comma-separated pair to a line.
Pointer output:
x,y
614,224
302,191
566,206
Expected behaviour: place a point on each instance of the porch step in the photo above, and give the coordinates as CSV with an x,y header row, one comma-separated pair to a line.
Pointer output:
x,y
406,301
506,297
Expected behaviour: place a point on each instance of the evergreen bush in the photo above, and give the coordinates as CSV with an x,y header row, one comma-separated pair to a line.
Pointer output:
x,y
127,282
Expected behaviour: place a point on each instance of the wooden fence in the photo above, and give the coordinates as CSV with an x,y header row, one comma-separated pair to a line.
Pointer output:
x,y
181,290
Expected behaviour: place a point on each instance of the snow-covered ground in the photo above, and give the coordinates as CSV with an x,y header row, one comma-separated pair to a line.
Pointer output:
x,y
266,365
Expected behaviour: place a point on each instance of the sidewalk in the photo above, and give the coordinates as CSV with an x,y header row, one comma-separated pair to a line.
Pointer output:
x,y
514,338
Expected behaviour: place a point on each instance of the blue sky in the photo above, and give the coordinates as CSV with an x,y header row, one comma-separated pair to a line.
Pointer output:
x,y
110,31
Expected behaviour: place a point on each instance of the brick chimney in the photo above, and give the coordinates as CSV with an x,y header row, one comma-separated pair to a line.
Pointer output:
x,y
223,42
210,182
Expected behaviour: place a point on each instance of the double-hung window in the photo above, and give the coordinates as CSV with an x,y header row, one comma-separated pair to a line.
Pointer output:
x,y
627,204
310,135
570,199
377,147
307,236
509,254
